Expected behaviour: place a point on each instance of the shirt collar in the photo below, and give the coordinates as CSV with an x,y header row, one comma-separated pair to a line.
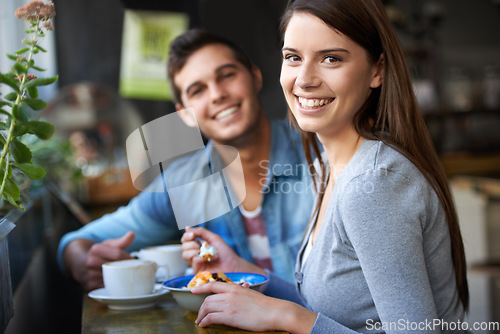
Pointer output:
x,y
285,158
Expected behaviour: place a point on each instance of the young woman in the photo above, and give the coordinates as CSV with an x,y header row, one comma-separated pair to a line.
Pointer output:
x,y
383,251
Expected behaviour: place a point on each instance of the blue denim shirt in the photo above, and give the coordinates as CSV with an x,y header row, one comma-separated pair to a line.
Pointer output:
x,y
287,203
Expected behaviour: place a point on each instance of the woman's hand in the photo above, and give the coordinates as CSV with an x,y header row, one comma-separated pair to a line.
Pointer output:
x,y
235,306
226,260
244,308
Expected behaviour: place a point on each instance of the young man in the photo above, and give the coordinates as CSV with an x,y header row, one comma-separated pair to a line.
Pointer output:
x,y
216,79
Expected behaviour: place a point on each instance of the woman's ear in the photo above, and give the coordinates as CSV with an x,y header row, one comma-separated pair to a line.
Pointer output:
x,y
187,115
378,77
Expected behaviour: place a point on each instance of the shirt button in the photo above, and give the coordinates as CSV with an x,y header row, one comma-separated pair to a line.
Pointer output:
x,y
298,277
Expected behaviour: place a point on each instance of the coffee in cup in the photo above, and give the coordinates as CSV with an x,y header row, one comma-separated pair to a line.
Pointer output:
x,y
167,257
128,278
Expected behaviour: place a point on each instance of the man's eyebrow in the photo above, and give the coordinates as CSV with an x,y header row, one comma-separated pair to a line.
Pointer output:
x,y
223,67
217,71
320,51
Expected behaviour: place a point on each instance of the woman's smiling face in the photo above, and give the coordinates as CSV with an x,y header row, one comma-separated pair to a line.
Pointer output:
x,y
326,77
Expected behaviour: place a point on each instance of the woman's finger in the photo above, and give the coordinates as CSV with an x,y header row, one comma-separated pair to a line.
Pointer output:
x,y
214,287
212,304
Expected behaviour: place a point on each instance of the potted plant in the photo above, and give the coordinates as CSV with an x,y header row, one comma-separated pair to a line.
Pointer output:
x,y
17,111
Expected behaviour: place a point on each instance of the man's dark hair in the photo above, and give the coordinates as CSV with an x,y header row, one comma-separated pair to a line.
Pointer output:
x,y
188,43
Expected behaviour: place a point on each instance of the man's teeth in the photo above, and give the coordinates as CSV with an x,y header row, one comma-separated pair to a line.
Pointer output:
x,y
226,113
313,103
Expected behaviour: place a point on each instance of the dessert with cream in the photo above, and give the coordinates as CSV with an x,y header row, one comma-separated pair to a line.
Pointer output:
x,y
204,277
207,251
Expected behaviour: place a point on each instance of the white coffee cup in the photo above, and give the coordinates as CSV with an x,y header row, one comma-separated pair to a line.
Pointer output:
x,y
167,257
128,278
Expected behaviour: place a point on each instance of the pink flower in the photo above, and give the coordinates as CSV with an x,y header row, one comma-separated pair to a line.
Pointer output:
x,y
28,78
48,25
36,10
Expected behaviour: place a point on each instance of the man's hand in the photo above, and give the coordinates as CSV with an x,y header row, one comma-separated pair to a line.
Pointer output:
x,y
226,260
83,258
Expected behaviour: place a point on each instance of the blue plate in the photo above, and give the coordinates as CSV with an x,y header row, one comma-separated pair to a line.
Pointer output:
x,y
255,280
192,302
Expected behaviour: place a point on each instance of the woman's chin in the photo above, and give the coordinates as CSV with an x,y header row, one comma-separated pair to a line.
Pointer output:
x,y
307,125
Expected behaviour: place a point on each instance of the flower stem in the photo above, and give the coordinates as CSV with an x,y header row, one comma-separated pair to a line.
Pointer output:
x,y
4,179
5,155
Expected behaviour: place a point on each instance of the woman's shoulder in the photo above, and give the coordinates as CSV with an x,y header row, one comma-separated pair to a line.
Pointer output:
x,y
376,158
383,180
381,171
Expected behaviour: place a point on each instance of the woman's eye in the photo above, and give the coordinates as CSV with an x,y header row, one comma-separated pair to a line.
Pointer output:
x,y
292,58
332,59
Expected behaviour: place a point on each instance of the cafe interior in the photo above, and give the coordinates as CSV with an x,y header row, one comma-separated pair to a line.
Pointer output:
x,y
110,58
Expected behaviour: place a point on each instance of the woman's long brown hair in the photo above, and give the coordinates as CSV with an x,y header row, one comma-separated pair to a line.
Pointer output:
x,y
391,113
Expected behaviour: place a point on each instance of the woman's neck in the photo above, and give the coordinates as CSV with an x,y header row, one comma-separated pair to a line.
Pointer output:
x,y
340,149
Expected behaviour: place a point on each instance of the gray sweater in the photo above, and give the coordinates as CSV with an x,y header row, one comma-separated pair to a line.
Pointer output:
x,y
382,260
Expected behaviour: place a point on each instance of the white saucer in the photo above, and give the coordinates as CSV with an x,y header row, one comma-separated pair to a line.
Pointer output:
x,y
128,303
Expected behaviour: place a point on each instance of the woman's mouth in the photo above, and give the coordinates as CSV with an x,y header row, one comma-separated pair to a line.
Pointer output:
x,y
226,112
313,103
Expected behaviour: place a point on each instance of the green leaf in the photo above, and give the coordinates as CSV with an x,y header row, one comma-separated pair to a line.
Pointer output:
x,y
12,189
35,104
29,31
13,57
3,112
20,69
39,68
23,50
41,129
11,96
40,48
20,113
40,82
32,92
20,152
9,80
3,126
3,103
9,199
20,129
30,170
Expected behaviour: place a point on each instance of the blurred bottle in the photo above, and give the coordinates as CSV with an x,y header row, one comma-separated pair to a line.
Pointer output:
x,y
458,90
491,87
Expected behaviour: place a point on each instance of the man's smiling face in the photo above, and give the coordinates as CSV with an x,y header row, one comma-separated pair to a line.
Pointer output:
x,y
222,92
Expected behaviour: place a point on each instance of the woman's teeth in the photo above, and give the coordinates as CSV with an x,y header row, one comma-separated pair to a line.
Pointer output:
x,y
313,103
226,113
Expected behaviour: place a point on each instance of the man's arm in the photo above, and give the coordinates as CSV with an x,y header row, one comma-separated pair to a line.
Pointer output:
x,y
148,216
83,258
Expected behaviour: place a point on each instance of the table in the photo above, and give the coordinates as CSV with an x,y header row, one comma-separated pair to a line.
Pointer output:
x,y
166,317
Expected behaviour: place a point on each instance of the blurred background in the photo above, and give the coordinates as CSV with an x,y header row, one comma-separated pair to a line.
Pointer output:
x,y
106,51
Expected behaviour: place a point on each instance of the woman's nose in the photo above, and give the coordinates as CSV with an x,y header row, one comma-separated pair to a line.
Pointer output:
x,y
307,77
